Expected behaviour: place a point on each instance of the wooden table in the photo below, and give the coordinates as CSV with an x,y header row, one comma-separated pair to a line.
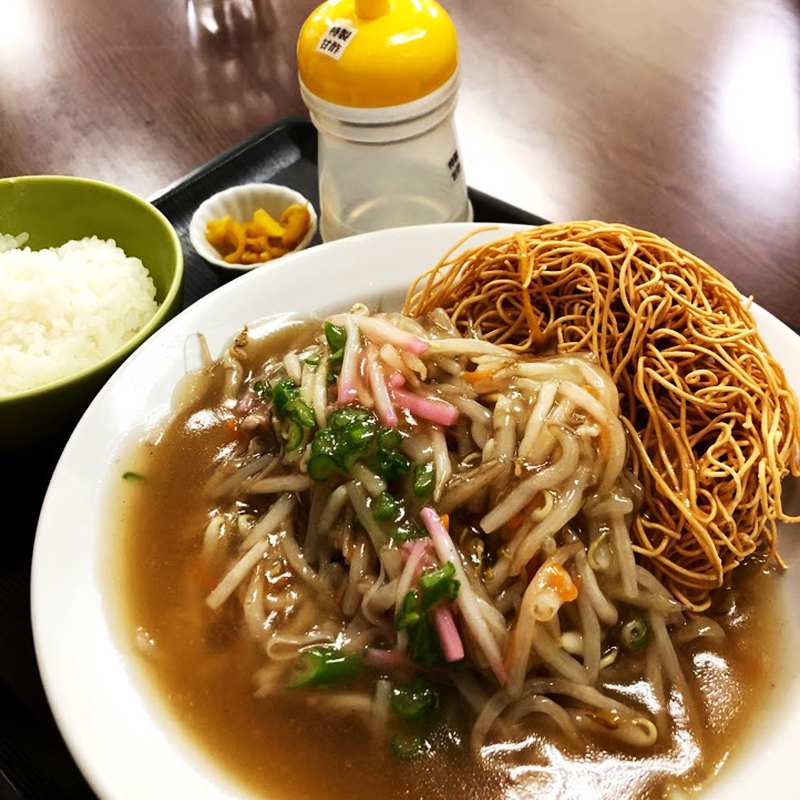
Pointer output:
x,y
681,117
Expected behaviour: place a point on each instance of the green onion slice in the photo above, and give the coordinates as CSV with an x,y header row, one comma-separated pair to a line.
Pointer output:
x,y
636,632
409,749
414,701
335,335
386,507
326,666
424,479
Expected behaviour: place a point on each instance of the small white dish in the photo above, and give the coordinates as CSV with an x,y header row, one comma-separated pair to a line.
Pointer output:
x,y
241,202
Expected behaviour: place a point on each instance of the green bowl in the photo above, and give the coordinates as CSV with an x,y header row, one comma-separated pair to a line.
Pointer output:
x,y
53,210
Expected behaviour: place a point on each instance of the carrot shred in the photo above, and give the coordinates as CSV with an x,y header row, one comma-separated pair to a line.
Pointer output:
x,y
591,390
557,579
205,576
515,523
477,375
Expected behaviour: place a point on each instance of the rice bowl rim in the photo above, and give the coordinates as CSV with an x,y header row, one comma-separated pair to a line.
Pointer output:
x,y
152,324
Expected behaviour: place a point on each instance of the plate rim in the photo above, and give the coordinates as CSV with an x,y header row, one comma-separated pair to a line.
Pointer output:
x,y
193,773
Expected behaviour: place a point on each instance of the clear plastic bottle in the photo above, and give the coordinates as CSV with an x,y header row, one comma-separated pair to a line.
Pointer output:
x,y
380,79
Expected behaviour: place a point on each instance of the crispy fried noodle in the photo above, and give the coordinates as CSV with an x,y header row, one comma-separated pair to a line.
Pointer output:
x,y
711,423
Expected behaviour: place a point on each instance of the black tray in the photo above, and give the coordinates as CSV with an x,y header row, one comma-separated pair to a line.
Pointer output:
x,y
34,761
285,153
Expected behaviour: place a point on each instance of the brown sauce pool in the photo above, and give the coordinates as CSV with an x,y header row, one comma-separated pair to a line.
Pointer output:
x,y
284,748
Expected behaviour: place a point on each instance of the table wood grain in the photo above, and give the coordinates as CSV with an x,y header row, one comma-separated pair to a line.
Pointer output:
x,y
682,117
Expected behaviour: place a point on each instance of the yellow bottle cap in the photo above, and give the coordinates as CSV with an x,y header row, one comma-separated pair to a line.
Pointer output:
x,y
376,53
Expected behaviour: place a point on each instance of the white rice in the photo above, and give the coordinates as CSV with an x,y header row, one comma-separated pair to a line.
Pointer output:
x,y
9,242
67,308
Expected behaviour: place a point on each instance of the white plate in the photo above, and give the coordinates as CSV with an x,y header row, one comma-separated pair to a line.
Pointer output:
x,y
121,737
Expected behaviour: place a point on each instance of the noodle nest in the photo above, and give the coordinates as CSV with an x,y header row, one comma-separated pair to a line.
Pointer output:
x,y
711,422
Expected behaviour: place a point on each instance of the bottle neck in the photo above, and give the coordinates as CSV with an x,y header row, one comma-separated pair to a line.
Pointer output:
x,y
372,9
391,123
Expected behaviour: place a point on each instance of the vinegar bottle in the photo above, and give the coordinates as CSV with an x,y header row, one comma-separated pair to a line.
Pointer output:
x,y
380,79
